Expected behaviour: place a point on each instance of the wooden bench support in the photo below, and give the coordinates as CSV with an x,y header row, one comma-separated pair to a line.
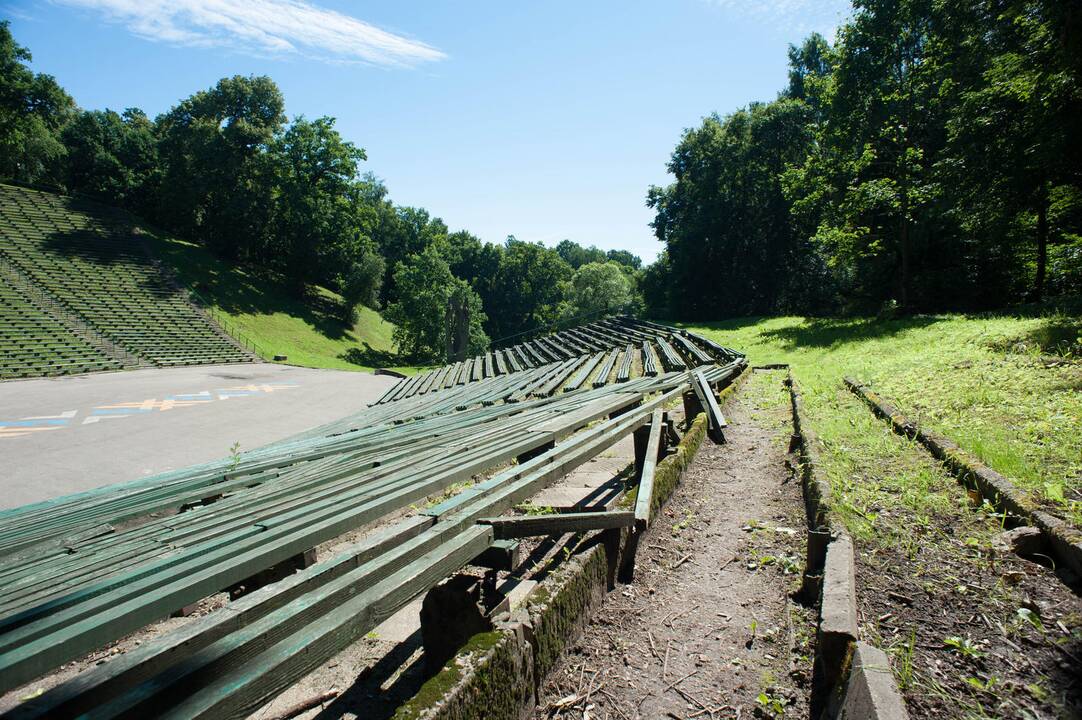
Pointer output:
x,y
692,407
708,401
504,555
644,498
539,450
451,613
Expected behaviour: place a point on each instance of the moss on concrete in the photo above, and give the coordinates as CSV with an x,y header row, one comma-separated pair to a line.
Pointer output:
x,y
573,591
490,677
669,471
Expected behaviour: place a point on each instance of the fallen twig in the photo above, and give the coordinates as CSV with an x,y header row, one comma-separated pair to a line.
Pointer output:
x,y
305,705
673,684
615,703
681,561
681,614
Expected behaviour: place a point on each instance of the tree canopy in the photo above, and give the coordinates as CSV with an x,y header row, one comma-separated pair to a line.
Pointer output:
x,y
928,160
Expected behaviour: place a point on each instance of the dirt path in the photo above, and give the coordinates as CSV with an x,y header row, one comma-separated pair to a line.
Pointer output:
x,y
708,628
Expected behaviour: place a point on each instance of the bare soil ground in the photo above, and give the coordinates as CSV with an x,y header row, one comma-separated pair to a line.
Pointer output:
x,y
708,628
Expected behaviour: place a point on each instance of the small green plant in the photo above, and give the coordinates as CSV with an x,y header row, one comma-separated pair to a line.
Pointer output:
x,y
963,646
904,661
789,564
983,685
234,456
682,525
531,509
769,703
1031,618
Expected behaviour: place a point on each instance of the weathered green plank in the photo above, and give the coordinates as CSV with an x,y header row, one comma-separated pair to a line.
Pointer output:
x,y
507,528
645,496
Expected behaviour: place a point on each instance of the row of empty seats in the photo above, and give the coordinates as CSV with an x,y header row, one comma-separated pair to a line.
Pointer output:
x,y
33,343
89,259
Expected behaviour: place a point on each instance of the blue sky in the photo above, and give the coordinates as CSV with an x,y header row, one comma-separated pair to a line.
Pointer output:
x,y
540,120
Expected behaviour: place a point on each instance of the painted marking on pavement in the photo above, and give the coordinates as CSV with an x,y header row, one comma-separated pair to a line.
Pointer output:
x,y
117,410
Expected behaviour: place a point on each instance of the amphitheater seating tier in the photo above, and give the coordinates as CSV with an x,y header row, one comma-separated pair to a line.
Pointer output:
x,y
88,259
33,343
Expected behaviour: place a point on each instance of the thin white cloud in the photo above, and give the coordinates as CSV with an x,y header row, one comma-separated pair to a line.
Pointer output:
x,y
273,27
804,16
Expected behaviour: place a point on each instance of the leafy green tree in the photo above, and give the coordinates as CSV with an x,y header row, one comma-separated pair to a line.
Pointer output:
x,y
213,148
655,284
625,259
598,288
33,111
527,290
732,243
407,231
113,157
315,169
425,289
359,280
1013,158
576,255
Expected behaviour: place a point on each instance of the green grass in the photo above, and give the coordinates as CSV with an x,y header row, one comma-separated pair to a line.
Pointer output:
x,y
262,310
994,384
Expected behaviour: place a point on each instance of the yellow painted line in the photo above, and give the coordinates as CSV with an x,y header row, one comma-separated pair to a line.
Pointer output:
x,y
15,432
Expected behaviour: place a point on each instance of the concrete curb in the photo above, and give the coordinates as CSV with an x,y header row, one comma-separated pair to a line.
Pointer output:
x,y
1063,540
497,675
843,684
871,692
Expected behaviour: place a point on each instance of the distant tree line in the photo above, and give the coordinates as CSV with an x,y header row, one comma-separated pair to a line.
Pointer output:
x,y
225,168
930,159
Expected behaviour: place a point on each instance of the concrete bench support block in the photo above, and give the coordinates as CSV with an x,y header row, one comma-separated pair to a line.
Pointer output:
x,y
871,691
838,623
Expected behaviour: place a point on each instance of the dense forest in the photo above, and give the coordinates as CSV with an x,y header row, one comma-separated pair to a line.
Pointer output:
x,y
930,159
227,169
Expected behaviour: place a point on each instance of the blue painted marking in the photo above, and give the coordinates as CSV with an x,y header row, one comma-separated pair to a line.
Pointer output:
x,y
120,411
193,397
32,423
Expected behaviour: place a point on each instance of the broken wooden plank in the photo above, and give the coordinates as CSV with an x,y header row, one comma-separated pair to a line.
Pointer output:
x,y
715,420
645,497
557,524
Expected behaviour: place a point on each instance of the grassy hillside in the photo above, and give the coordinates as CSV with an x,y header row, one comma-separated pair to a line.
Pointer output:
x,y
1006,388
262,311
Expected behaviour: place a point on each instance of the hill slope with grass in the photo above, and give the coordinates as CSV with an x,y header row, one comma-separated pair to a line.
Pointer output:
x,y
1007,388
262,311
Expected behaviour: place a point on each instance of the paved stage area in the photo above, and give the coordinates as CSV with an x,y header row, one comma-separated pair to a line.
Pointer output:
x,y
63,435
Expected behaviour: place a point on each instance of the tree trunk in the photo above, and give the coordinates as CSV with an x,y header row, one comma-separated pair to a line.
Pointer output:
x,y
907,262
1042,245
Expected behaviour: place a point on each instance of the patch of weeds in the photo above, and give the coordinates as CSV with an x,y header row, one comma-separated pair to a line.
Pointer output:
x,y
683,524
451,490
528,508
984,685
771,705
234,456
963,646
903,661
